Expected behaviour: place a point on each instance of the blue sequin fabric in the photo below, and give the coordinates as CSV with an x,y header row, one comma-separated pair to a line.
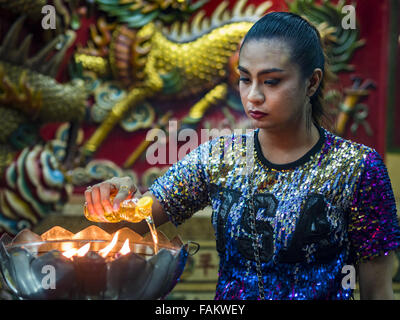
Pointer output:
x,y
331,208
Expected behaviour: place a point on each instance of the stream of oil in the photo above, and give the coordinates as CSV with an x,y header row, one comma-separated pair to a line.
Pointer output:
x,y
153,232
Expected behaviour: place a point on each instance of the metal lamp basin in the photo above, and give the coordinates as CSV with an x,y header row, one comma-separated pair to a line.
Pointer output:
x,y
29,272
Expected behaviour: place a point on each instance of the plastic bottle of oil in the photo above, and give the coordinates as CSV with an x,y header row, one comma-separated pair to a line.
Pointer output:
x,y
132,210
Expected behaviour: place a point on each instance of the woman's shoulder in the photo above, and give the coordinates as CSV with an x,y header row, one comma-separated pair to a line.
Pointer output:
x,y
348,148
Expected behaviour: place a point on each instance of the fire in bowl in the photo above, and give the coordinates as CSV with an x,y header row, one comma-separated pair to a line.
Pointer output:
x,y
91,264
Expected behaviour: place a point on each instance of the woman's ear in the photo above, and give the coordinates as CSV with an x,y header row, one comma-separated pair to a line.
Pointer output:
x,y
314,82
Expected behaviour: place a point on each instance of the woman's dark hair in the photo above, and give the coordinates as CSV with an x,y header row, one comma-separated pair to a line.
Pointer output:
x,y
304,42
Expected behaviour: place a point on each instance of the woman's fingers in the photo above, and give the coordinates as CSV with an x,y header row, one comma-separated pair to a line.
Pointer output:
x,y
98,196
105,191
89,202
91,205
97,205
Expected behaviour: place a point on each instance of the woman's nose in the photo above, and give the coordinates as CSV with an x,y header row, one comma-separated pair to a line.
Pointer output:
x,y
255,95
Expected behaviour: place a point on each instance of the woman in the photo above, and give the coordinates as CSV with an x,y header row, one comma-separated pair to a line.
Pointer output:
x,y
311,202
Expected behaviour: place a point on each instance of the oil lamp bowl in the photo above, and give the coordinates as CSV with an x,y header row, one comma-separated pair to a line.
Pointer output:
x,y
35,266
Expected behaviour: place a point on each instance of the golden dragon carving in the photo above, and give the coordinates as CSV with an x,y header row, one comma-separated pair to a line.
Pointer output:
x,y
184,60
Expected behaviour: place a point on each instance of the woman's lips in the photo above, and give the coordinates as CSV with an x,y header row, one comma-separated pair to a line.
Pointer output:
x,y
257,114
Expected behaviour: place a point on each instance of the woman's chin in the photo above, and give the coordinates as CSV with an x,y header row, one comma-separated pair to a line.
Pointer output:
x,y
261,124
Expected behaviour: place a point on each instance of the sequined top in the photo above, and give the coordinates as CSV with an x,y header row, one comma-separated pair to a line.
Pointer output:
x,y
331,208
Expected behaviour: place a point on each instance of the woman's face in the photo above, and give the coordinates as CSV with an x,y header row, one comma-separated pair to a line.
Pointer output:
x,y
272,90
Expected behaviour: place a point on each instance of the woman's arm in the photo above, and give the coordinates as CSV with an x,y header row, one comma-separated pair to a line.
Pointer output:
x,y
376,278
177,194
374,228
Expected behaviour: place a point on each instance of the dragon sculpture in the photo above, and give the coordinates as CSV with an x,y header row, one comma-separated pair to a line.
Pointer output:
x,y
141,53
33,183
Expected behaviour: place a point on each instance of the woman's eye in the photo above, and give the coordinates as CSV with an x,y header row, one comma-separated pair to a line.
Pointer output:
x,y
244,80
272,81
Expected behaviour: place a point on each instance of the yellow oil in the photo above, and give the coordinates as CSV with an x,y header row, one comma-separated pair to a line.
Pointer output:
x,y
133,211
153,232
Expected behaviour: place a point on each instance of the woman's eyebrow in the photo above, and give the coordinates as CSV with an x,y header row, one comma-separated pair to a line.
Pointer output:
x,y
270,70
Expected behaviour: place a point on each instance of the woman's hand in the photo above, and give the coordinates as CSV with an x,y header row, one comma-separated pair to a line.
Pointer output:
x,y
98,196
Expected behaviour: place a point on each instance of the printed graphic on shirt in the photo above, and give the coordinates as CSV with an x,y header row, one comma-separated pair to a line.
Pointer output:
x,y
313,229
313,233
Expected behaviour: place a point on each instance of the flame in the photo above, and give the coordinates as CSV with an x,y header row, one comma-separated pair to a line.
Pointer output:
x,y
125,248
83,250
77,252
106,250
70,253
